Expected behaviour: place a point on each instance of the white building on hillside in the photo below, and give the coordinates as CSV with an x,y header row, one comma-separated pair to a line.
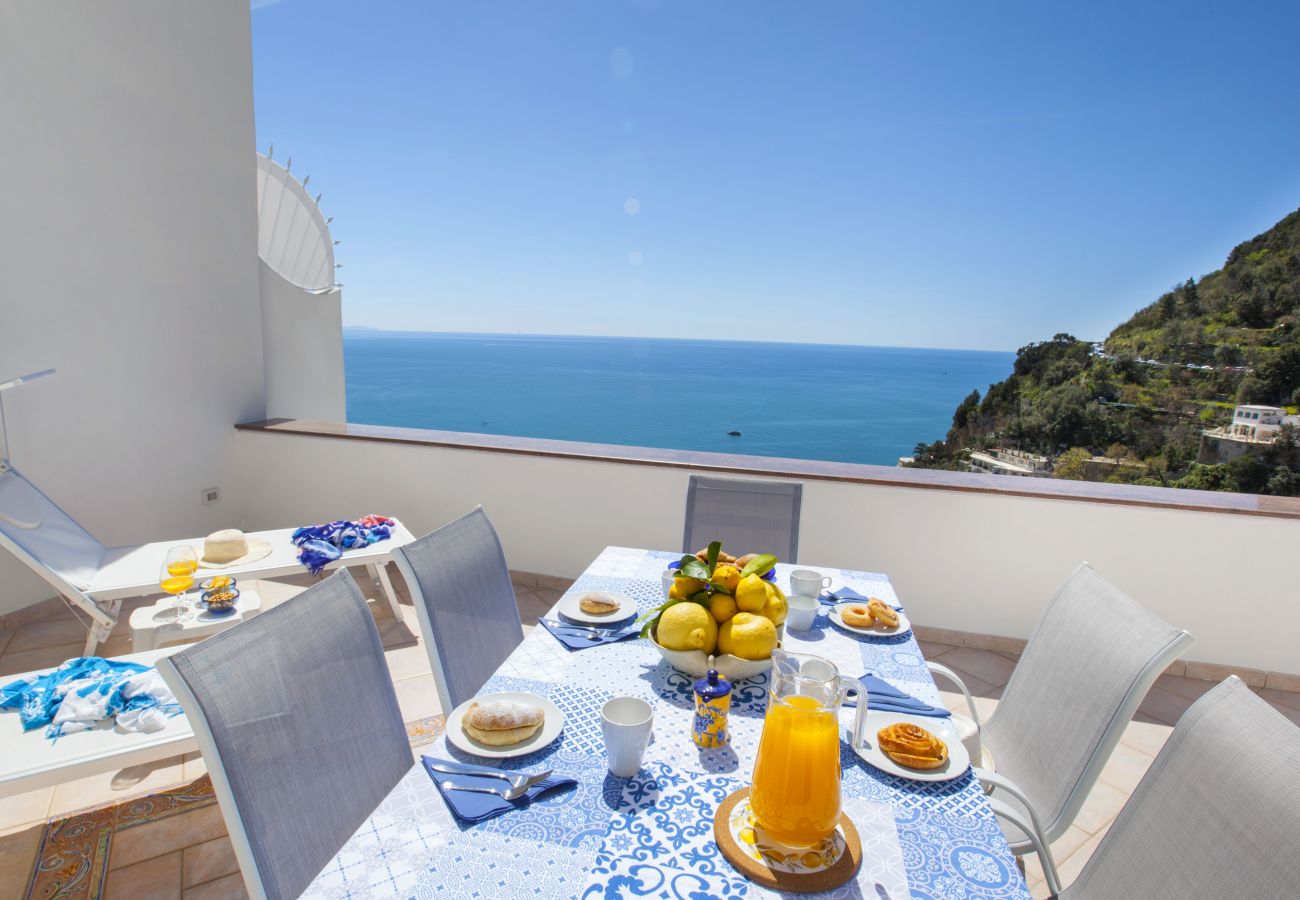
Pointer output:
x,y
1252,426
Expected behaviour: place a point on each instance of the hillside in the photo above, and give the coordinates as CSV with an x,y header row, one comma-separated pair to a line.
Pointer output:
x,y
1143,396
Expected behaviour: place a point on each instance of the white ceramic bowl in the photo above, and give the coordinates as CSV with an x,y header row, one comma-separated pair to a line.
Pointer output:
x,y
732,668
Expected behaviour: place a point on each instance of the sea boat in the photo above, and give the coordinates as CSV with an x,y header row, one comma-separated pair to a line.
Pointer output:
x,y
734,433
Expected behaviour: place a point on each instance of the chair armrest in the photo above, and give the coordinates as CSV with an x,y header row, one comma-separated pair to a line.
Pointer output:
x,y
1030,827
956,679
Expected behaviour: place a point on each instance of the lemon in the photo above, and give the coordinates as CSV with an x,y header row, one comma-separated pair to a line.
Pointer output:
x,y
775,609
678,590
728,577
747,635
688,585
687,626
722,607
751,593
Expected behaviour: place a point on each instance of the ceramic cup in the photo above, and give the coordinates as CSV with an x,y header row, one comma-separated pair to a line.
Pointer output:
x,y
807,583
800,612
626,723
669,575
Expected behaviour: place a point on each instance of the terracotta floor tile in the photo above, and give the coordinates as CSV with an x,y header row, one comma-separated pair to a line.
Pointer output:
x,y
229,888
1164,706
1070,868
114,787
1146,737
407,662
1190,688
974,683
18,857
1289,699
1099,810
173,833
154,879
986,665
417,697
194,766
934,650
5,635
38,635
208,861
1125,768
548,595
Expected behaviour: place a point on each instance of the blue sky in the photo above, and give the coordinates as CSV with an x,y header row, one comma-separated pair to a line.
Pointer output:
x,y
939,174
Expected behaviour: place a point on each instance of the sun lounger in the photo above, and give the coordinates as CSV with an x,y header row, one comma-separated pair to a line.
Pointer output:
x,y
30,760
95,579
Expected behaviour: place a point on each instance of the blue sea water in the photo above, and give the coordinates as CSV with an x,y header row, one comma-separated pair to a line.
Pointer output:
x,y
807,401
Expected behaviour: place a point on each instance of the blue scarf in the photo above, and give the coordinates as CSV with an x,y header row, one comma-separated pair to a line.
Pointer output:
x,y
320,545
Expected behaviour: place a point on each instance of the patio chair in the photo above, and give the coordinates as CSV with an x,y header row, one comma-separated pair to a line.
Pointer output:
x,y
296,718
1216,815
460,585
1087,666
747,516
94,579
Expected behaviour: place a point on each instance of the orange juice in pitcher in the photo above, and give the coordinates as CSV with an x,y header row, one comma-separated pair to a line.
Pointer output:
x,y
796,791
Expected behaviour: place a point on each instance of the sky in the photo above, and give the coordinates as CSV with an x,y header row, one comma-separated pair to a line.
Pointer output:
x,y
938,174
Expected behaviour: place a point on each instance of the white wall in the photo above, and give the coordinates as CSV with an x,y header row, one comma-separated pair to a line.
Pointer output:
x,y
303,338
128,260
967,561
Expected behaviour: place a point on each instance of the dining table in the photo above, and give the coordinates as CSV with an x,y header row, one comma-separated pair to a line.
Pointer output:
x,y
651,834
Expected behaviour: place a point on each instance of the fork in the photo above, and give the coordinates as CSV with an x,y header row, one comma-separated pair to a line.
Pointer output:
x,y
513,793
592,633
518,782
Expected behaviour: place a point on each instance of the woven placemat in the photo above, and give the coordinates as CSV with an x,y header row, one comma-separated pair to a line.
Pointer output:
x,y
800,883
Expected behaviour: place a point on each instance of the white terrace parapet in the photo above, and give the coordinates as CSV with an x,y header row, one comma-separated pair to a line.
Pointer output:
x,y
966,552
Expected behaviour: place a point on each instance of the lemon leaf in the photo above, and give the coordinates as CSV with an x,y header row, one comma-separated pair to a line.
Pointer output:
x,y
759,565
714,549
693,568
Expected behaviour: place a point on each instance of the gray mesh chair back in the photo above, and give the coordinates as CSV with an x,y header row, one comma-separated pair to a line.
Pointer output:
x,y
1216,815
747,516
1087,666
460,585
297,721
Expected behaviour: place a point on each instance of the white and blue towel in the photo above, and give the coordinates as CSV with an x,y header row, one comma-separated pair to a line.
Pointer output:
x,y
88,690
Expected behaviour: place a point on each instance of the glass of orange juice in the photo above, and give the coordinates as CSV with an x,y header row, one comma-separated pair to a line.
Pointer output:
x,y
176,577
796,791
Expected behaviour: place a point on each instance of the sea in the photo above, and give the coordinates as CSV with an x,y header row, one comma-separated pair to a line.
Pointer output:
x,y
805,401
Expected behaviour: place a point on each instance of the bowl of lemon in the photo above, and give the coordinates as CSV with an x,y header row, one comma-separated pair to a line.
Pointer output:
x,y
719,606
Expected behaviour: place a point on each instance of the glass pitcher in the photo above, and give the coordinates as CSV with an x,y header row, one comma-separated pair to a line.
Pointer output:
x,y
796,790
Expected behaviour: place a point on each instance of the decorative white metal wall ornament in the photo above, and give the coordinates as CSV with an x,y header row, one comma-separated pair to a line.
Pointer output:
x,y
293,236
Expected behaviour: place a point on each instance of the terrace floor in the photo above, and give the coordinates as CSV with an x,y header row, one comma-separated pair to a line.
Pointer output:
x,y
174,844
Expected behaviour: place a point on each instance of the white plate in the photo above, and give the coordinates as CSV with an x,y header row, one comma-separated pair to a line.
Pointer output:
x,y
942,728
550,730
570,610
876,630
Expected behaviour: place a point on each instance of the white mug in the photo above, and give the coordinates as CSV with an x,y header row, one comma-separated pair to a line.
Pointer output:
x,y
807,583
626,723
800,612
668,576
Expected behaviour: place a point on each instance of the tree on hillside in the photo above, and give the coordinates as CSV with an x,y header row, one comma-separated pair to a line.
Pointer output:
x,y
1072,464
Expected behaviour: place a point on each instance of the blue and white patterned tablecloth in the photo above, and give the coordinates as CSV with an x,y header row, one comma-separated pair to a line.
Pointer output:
x,y
652,835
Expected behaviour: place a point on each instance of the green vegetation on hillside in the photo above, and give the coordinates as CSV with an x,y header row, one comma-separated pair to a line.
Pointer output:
x,y
1141,400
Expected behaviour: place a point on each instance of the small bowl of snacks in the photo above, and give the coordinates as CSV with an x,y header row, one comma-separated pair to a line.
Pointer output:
x,y
219,601
216,583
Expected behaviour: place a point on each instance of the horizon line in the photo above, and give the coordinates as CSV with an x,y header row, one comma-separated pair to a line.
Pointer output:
x,y
596,337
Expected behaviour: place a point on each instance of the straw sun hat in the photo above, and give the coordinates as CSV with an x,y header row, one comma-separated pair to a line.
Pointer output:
x,y
231,547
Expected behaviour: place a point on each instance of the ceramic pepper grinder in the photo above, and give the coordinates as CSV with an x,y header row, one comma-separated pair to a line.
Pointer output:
x,y
712,703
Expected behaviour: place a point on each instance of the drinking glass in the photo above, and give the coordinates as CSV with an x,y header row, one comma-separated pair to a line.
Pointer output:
x,y
175,578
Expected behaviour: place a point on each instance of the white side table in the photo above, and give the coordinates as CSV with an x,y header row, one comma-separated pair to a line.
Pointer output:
x,y
147,633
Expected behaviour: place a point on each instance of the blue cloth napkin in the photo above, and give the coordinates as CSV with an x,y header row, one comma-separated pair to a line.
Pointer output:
x,y
577,637
883,696
473,807
847,595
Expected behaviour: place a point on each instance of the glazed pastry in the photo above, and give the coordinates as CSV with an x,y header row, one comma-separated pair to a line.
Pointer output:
x,y
598,604
502,722
857,615
884,613
912,746
723,556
